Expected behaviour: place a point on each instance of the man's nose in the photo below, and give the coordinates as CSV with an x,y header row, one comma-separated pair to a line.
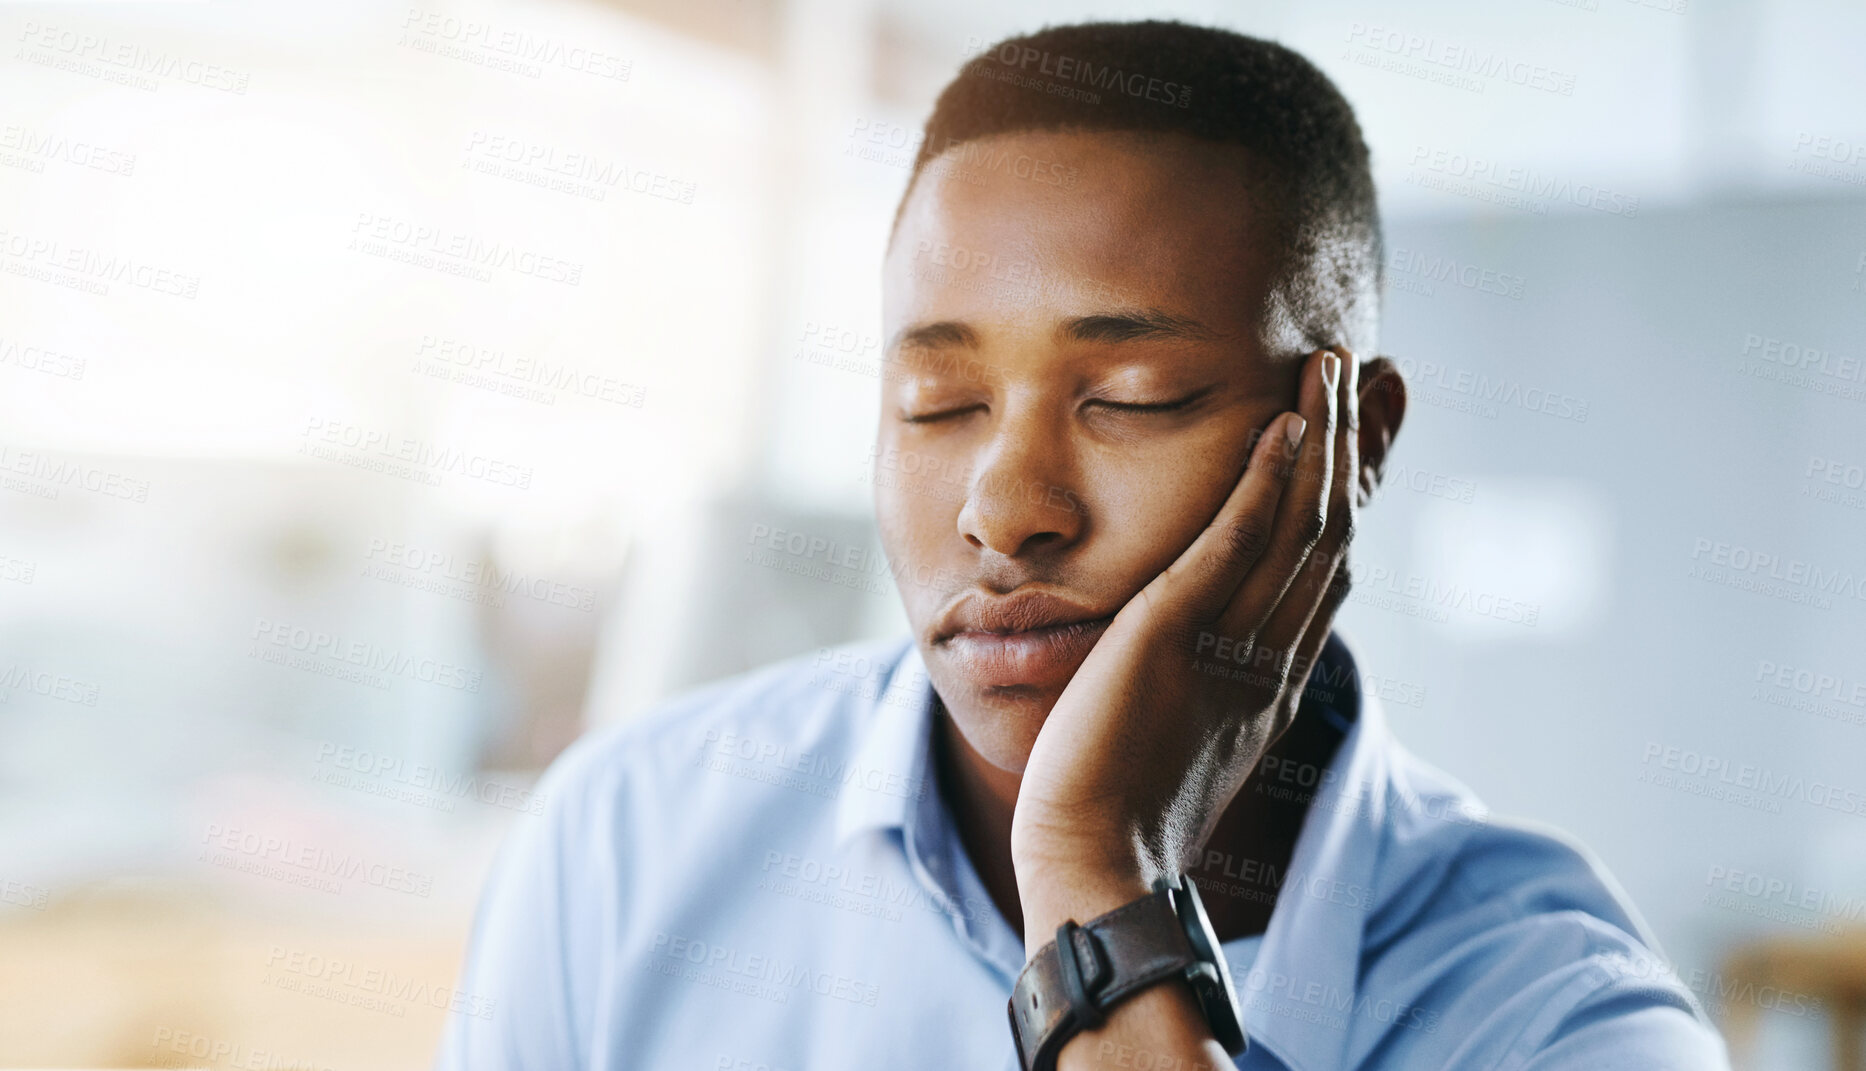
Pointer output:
x,y
1022,498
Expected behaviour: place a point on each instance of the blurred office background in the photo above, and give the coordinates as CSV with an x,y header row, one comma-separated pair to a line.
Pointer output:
x,y
390,393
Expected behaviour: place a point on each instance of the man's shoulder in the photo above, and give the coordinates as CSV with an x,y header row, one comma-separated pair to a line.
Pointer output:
x,y
788,723
1450,854
1510,923
1451,860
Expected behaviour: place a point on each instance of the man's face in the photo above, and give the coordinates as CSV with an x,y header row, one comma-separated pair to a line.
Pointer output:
x,y
1028,323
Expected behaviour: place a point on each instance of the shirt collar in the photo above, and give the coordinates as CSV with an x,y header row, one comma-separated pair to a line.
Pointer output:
x,y
896,741
1309,958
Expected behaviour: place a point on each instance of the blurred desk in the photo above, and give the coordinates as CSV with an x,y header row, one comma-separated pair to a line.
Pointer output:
x,y
182,979
1831,970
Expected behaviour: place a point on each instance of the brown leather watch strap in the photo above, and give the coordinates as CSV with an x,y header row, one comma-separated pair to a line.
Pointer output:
x,y
1118,954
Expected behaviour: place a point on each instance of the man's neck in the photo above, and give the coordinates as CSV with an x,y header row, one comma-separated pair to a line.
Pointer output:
x,y
1245,861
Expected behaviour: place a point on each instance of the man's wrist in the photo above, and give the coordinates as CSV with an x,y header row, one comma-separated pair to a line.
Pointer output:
x,y
1160,1026
1053,895
1162,1019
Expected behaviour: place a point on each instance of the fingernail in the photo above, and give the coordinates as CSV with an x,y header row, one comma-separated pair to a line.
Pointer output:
x,y
1331,370
1293,428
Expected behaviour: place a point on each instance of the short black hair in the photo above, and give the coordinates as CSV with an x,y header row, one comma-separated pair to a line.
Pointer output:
x,y
1156,76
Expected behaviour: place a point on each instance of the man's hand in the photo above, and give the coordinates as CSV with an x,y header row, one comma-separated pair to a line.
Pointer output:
x,y
1165,719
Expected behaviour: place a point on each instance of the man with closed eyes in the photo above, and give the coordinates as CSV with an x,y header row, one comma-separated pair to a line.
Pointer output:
x,y
1120,799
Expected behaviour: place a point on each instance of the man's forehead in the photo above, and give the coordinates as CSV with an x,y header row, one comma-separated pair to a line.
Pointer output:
x,y
1135,323
1154,224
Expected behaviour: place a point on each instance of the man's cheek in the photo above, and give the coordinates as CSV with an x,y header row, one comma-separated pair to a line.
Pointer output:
x,y
1167,505
914,559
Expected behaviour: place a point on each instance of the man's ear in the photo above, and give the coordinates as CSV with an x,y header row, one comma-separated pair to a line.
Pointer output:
x,y
1383,407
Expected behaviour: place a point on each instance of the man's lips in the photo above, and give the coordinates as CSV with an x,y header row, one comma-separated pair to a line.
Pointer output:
x,y
1044,657
1030,637
1027,609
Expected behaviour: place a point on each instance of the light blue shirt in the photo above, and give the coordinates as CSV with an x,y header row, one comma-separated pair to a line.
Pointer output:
x,y
763,876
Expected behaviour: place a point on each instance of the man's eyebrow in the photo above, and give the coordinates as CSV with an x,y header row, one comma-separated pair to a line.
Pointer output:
x,y
938,334
1131,325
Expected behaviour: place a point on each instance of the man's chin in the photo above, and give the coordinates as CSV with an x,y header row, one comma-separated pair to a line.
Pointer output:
x,y
1000,723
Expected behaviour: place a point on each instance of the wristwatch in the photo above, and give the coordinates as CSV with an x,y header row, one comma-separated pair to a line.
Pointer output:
x,y
1072,982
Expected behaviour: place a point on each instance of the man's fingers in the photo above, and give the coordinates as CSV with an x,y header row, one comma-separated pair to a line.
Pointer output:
x,y
1302,517
1201,580
1315,634
1290,618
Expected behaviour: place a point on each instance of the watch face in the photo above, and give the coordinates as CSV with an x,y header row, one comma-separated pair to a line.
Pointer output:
x,y
1217,996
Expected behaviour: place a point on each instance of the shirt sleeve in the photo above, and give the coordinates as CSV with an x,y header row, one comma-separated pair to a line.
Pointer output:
x,y
1630,1027
521,970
